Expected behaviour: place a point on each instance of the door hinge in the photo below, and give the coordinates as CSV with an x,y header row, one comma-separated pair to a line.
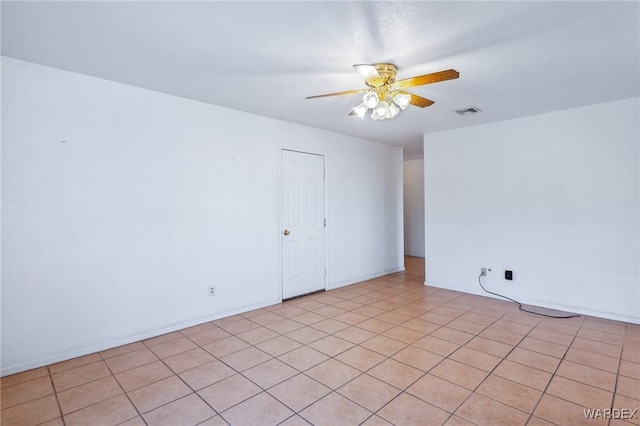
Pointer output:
x,y
325,273
325,223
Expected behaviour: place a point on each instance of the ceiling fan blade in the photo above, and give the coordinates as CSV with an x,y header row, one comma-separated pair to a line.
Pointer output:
x,y
418,101
368,72
421,80
348,92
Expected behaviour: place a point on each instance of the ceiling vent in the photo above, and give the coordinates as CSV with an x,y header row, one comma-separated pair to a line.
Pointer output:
x,y
468,111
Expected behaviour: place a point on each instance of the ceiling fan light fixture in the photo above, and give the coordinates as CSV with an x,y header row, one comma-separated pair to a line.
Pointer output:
x,y
370,99
402,100
393,110
380,111
360,110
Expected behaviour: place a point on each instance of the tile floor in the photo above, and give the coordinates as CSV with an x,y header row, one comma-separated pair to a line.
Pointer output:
x,y
385,351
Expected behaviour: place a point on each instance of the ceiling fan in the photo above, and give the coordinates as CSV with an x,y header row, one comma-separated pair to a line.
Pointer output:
x,y
385,96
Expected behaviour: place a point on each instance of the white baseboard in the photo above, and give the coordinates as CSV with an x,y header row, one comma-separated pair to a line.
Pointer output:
x,y
570,309
364,278
13,369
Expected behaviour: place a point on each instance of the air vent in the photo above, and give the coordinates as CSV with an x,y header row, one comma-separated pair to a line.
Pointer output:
x,y
468,111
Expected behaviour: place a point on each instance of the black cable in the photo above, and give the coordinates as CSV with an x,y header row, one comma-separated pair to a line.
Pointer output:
x,y
520,304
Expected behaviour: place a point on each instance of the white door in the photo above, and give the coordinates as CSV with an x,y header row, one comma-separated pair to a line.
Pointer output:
x,y
303,224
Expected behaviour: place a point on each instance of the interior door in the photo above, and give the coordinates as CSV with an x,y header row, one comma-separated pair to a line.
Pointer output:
x,y
303,223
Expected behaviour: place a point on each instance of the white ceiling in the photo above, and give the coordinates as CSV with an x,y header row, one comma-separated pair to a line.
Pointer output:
x,y
515,58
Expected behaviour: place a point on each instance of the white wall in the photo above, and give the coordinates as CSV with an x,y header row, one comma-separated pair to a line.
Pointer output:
x,y
116,234
553,197
413,196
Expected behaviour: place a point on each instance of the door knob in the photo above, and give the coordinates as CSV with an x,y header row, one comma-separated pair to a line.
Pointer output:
x,y
286,232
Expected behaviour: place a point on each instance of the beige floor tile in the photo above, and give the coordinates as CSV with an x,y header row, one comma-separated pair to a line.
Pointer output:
x,y
436,345
206,374
452,335
160,339
110,412
502,336
419,325
622,402
143,375
474,358
458,373
334,409
210,335
601,348
579,393
368,310
267,318
489,346
25,392
628,387
592,359
376,421
390,346
534,359
587,375
543,347
270,373
158,393
246,358
466,326
278,346
239,326
306,335
31,413
629,369
331,345
332,373
75,362
601,336
132,347
523,374
383,345
360,358
375,325
299,392
80,375
404,335
225,346
408,410
330,326
355,335
562,412
481,410
188,360
418,358
262,409
329,311
351,318
439,392
395,373
369,392
284,326
303,358
91,393
130,360
189,410
26,376
229,392
173,347
510,393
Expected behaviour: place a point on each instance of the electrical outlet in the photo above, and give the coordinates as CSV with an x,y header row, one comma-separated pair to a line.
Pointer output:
x,y
508,275
212,291
483,271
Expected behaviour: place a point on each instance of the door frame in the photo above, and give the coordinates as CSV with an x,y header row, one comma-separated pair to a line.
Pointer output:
x,y
280,212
